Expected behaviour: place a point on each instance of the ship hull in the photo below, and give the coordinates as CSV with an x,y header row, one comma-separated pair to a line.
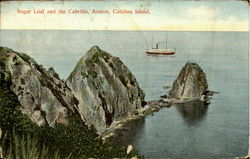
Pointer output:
x,y
160,53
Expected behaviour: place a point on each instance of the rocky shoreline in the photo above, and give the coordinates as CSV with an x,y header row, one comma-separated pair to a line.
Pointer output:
x,y
101,91
141,113
189,87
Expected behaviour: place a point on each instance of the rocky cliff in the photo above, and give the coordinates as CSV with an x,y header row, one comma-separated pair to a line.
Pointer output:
x,y
105,88
43,96
191,84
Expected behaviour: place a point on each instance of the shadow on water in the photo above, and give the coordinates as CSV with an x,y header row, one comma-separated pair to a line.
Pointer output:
x,y
128,133
192,112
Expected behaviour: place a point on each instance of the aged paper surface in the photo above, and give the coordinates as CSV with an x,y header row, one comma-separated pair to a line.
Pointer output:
x,y
154,40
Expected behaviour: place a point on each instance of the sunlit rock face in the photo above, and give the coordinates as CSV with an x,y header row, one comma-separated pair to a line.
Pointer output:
x,y
191,83
43,96
105,87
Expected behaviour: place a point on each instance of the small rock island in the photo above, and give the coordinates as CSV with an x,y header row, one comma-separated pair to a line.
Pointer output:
x,y
190,85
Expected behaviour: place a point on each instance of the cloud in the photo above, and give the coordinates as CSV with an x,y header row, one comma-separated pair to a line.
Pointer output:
x,y
202,12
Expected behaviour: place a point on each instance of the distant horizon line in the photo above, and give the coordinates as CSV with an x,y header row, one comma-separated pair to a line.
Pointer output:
x,y
125,30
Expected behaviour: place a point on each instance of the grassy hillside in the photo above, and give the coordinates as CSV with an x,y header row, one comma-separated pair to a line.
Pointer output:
x,y
24,139
74,139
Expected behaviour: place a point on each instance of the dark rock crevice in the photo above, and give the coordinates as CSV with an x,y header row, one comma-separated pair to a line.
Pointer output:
x,y
108,116
112,86
33,86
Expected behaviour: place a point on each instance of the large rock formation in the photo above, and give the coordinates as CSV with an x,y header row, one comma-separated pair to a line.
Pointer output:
x,y
105,88
43,96
191,84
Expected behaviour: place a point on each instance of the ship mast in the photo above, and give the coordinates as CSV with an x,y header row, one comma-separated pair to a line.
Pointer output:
x,y
167,41
152,42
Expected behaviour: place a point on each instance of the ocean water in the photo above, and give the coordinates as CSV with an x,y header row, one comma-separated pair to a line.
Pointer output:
x,y
219,130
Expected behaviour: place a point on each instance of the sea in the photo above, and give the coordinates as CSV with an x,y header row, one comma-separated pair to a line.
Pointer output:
x,y
219,130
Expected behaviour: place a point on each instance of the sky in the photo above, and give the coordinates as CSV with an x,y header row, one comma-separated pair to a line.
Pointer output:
x,y
164,15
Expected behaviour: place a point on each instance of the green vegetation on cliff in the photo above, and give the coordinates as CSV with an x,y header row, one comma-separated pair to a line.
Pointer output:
x,y
94,55
105,88
74,139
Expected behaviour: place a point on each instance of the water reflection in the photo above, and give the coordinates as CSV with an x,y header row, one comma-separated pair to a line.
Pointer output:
x,y
129,133
192,112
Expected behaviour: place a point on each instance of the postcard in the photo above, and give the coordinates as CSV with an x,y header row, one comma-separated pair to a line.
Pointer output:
x,y
124,79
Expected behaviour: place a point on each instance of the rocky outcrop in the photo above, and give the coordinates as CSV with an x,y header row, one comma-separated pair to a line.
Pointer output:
x,y
190,85
43,96
105,88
